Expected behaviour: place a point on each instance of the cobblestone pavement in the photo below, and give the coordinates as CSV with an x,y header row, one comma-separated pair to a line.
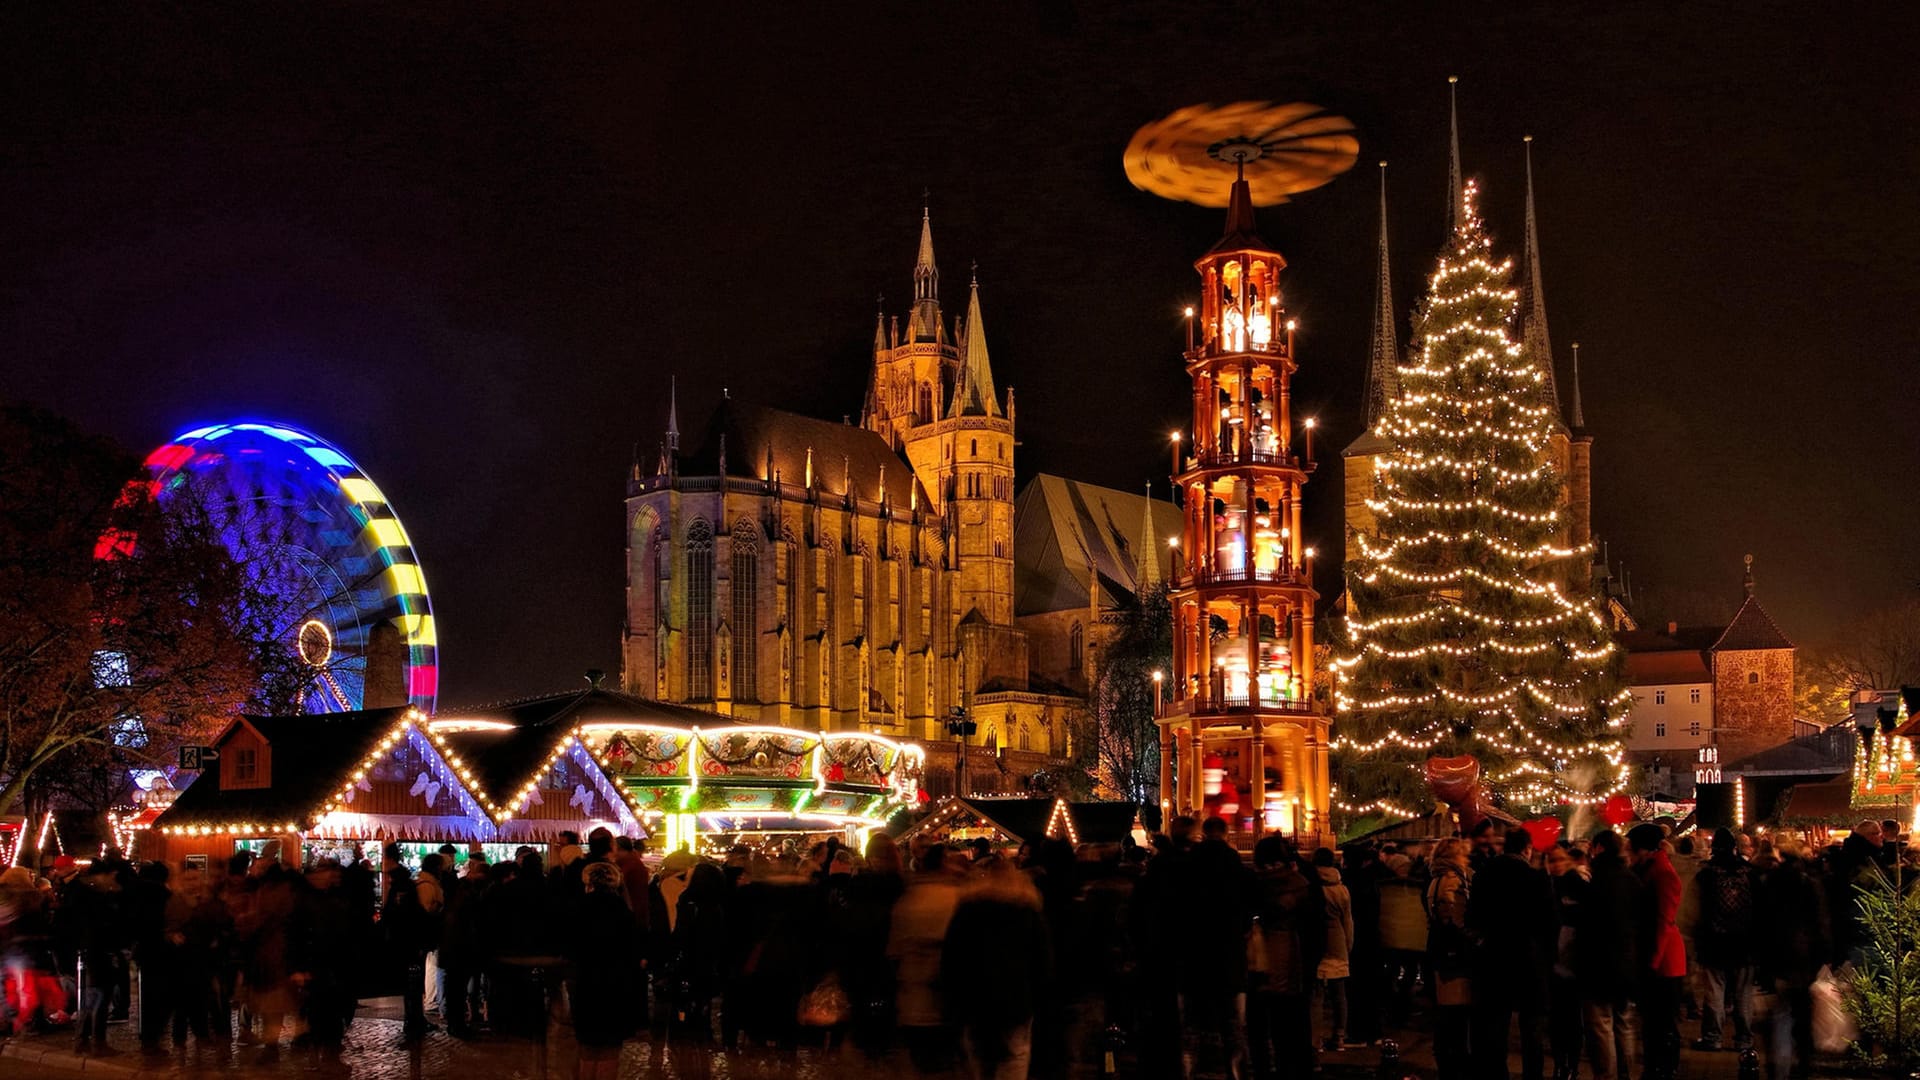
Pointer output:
x,y
375,1051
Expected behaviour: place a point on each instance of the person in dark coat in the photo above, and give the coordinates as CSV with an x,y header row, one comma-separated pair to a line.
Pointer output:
x,y
1292,929
996,956
1512,917
90,928
1366,983
1723,943
157,957
320,959
1570,886
1606,959
1793,932
604,959
1213,964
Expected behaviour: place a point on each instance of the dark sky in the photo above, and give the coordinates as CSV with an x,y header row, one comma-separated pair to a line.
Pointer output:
x,y
469,244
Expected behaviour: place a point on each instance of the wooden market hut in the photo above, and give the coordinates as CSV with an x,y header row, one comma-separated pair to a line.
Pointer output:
x,y
1012,821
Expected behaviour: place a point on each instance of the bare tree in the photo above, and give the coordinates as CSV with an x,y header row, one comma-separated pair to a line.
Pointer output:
x,y
122,627
1877,651
1126,736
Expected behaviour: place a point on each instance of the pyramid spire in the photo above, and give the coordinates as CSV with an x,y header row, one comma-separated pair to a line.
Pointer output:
x,y
973,391
924,325
1383,378
1147,560
880,324
673,414
1453,155
1533,319
1578,417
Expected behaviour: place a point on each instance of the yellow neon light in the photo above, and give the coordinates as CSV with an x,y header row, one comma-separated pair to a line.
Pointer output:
x,y
403,579
387,532
361,490
418,628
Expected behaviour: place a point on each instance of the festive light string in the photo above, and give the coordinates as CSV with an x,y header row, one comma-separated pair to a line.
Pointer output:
x,y
1470,437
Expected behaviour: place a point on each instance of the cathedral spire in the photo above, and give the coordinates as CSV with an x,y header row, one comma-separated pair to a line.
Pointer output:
x,y
1453,156
673,414
973,391
925,322
1533,329
880,324
1147,559
1383,378
1578,418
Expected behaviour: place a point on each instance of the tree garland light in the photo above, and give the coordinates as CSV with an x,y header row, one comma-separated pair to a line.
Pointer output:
x,y
1470,629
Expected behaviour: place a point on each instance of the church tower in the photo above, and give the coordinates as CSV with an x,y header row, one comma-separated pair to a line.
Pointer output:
x,y
1569,448
1250,742
934,401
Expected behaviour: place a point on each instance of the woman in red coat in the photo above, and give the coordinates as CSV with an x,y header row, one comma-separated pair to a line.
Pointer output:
x,y
1666,951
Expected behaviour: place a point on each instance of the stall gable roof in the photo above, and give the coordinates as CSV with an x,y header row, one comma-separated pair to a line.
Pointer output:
x,y
312,757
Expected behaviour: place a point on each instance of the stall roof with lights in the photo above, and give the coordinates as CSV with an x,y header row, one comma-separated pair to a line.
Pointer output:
x,y
316,753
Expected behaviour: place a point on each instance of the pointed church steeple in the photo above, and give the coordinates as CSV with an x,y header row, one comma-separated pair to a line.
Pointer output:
x,y
925,325
973,392
1578,417
1146,562
1453,156
880,325
673,414
1533,322
1383,378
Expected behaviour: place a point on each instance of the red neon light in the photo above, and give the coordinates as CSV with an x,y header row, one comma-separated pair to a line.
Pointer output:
x,y
170,456
424,681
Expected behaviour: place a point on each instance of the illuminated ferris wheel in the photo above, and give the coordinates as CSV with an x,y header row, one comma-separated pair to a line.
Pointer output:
x,y
325,553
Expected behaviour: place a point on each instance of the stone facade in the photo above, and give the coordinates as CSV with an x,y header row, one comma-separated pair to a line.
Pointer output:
x,y
1752,699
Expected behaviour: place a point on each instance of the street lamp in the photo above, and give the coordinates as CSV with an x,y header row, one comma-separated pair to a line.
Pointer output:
x,y
1159,686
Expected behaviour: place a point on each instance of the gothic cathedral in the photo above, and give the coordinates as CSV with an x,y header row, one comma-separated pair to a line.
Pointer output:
x,y
788,570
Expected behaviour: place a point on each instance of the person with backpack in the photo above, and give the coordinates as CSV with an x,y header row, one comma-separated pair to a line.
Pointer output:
x,y
1723,942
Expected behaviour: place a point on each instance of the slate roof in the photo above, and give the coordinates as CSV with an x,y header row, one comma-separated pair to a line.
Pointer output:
x,y
1752,628
838,450
1058,524
311,757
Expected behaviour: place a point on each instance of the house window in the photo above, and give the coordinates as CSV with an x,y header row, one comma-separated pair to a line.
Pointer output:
x,y
1693,727
700,612
1753,678
1659,697
1660,730
1694,696
246,764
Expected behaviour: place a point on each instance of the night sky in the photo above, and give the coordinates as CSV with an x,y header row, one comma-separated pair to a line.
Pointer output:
x,y
470,245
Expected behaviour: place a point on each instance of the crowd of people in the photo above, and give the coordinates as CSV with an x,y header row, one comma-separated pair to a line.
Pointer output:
x,y
965,960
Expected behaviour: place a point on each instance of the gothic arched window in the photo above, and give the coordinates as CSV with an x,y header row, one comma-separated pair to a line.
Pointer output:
x,y
1076,648
746,622
700,611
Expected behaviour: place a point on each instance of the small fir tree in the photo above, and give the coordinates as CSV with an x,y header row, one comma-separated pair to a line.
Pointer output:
x,y
1462,637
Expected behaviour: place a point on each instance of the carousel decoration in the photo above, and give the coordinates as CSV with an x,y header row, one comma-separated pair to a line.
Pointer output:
x,y
1281,150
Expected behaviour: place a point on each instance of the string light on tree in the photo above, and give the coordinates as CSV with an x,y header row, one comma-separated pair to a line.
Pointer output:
x,y
1464,641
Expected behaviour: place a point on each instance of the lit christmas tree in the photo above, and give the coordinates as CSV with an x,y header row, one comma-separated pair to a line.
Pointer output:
x,y
1471,634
